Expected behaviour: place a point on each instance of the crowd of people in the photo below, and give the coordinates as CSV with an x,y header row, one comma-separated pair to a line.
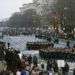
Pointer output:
x,y
30,66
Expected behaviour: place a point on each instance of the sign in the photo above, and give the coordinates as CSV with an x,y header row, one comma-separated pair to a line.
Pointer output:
x,y
61,63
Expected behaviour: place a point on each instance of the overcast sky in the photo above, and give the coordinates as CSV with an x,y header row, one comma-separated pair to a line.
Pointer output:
x,y
8,7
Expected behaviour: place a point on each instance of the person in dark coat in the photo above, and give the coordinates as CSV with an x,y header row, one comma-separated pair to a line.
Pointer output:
x,y
55,66
35,60
68,44
49,65
66,69
41,73
30,59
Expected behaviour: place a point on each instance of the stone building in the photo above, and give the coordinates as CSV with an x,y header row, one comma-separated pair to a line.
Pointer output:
x,y
41,7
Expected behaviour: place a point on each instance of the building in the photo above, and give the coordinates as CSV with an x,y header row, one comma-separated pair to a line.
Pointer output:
x,y
26,7
41,7
44,6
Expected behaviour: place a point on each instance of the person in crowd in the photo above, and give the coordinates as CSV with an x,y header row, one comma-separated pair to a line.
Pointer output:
x,y
42,69
55,67
42,66
27,72
18,72
66,69
23,71
35,60
33,72
68,44
41,73
24,57
30,59
49,65
50,73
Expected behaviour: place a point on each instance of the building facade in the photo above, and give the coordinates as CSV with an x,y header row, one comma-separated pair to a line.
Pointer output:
x,y
41,7
44,6
26,7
